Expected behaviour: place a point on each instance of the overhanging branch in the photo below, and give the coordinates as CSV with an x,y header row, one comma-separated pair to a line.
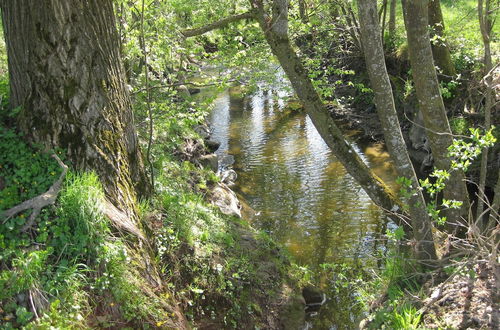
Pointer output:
x,y
218,24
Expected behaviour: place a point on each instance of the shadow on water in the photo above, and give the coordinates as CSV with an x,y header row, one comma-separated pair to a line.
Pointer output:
x,y
300,194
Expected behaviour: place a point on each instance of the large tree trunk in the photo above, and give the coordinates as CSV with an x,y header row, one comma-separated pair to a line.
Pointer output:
x,y
440,49
66,74
375,63
276,33
431,103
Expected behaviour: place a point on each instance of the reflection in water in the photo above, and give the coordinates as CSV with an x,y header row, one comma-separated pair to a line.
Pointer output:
x,y
300,193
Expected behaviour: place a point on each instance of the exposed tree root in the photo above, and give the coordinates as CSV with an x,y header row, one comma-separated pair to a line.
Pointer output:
x,y
37,203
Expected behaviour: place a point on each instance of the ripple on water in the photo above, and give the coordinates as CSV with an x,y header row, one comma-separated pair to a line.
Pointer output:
x,y
303,196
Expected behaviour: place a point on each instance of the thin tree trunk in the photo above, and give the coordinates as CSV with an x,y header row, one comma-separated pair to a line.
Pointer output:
x,y
66,74
384,100
276,33
392,19
431,104
440,50
384,15
485,26
303,11
495,207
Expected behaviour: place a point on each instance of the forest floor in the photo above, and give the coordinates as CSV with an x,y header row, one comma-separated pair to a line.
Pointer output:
x,y
465,301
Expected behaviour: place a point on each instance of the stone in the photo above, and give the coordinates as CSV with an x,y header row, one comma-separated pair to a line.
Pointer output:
x,y
212,145
193,91
202,130
226,200
226,161
313,298
210,161
228,176
183,91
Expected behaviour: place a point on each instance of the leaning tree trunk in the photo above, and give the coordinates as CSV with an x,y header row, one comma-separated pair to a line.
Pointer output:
x,y
440,49
431,104
375,62
276,33
66,74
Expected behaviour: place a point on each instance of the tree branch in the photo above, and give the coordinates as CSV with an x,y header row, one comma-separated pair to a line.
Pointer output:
x,y
40,201
218,24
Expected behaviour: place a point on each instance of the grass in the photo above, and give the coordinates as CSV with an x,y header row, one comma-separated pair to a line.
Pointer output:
x,y
74,270
462,32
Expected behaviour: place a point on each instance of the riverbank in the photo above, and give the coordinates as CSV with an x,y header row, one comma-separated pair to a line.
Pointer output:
x,y
183,264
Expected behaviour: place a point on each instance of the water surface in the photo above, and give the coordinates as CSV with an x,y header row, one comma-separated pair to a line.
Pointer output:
x,y
299,193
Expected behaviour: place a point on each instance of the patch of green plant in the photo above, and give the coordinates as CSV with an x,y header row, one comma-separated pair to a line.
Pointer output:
x,y
25,171
68,262
448,88
459,125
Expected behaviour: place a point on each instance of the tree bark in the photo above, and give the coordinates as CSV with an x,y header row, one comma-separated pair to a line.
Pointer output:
x,y
432,106
375,62
440,50
495,207
392,19
275,28
384,15
303,11
66,74
483,10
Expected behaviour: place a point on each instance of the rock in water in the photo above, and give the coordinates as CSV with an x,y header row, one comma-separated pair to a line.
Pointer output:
x,y
212,145
228,177
211,161
226,200
202,130
313,297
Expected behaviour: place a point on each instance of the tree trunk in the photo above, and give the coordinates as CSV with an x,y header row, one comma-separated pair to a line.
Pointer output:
x,y
495,206
384,100
303,11
485,25
66,74
392,19
440,50
276,33
384,15
431,104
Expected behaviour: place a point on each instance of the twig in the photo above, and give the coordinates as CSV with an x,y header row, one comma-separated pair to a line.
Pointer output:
x,y
40,201
33,305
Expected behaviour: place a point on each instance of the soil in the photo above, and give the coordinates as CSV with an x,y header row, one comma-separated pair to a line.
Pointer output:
x,y
466,301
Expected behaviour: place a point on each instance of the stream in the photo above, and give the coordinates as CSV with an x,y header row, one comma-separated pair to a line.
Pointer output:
x,y
301,195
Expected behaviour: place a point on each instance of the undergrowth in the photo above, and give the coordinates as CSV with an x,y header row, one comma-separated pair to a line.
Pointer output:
x,y
72,269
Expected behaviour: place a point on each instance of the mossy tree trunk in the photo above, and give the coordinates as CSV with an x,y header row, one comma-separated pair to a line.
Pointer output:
x,y
275,28
431,104
440,50
375,62
67,76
